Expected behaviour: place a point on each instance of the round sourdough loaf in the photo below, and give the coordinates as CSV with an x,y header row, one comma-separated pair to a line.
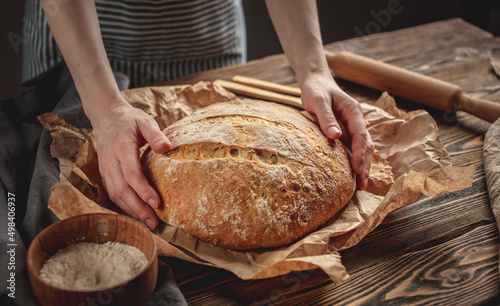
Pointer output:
x,y
249,174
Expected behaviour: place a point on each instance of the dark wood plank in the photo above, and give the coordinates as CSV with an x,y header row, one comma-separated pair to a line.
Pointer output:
x,y
273,68
409,44
461,271
428,221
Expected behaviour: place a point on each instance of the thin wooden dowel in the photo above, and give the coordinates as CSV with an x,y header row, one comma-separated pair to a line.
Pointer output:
x,y
285,89
259,93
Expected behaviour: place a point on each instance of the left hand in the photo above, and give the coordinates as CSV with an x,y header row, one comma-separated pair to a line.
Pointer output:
x,y
120,131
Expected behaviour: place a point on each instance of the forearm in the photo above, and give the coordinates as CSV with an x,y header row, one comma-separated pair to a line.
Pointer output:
x,y
297,26
76,30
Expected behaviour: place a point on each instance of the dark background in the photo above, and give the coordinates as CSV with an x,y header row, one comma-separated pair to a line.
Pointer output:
x,y
339,20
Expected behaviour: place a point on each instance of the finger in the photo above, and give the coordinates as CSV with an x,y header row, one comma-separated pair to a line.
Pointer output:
x,y
346,137
152,134
122,195
323,110
351,113
358,152
363,178
131,170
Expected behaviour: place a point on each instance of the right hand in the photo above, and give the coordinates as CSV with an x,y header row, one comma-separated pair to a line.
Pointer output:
x,y
335,110
120,131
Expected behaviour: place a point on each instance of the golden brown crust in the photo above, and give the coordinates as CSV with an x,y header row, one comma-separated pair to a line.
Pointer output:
x,y
249,174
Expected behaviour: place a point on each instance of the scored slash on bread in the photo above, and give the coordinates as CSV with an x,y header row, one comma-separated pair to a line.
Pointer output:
x,y
249,174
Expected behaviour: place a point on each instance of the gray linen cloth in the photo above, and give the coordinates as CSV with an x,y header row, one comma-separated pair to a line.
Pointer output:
x,y
28,171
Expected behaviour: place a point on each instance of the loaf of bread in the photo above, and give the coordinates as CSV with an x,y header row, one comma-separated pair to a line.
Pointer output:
x,y
249,174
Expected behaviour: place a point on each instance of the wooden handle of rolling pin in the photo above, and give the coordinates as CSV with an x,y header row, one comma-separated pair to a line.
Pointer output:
x,y
409,85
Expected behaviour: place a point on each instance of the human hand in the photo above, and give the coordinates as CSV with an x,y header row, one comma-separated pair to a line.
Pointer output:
x,y
335,110
120,131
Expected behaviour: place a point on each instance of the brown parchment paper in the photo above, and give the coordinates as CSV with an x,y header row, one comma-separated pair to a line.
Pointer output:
x,y
495,63
409,162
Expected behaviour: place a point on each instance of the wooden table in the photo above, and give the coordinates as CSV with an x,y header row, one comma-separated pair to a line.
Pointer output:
x,y
441,250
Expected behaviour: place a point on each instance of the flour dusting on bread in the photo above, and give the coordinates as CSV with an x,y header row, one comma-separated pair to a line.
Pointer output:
x,y
249,174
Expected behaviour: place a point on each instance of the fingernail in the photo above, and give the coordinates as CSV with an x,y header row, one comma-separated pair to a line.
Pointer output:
x,y
160,143
150,223
153,203
333,131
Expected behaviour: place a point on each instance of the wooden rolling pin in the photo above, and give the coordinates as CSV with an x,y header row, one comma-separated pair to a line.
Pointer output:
x,y
409,85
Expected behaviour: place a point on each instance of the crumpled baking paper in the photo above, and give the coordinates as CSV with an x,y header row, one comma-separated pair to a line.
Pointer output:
x,y
409,162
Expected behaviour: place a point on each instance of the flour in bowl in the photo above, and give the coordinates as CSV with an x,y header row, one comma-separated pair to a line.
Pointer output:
x,y
90,266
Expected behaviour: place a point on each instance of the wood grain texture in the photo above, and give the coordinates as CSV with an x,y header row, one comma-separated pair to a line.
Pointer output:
x,y
434,251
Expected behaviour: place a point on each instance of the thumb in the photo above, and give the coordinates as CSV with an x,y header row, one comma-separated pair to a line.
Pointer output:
x,y
152,134
328,123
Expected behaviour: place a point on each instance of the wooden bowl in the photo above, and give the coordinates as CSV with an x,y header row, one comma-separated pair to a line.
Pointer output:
x,y
99,228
